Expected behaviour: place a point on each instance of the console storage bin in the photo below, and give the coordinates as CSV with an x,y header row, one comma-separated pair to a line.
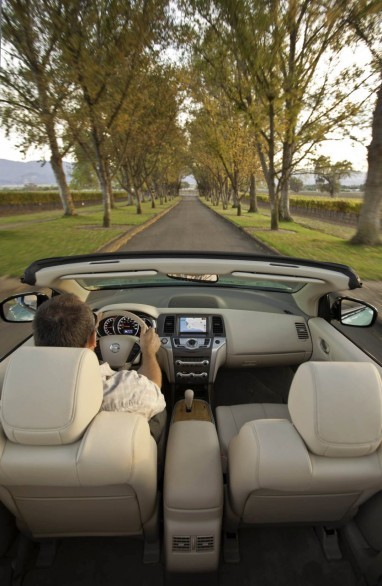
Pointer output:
x,y
193,497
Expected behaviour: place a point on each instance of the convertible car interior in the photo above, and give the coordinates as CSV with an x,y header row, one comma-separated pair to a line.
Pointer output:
x,y
273,449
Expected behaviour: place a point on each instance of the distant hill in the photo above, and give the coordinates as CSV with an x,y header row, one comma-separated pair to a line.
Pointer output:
x,y
14,173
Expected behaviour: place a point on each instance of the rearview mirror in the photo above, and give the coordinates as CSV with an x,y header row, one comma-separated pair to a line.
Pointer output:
x,y
21,308
354,312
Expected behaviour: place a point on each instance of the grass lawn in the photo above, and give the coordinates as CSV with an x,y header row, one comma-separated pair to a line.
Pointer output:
x,y
28,237
311,239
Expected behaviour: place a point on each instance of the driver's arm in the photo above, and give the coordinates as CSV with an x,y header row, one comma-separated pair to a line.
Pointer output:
x,y
150,344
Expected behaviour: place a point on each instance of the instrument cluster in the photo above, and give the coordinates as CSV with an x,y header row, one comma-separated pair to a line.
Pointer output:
x,y
123,325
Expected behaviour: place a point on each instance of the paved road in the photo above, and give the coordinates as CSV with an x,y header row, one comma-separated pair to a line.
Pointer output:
x,y
192,226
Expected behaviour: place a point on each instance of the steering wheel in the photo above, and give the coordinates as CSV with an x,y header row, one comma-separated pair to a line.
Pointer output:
x,y
116,349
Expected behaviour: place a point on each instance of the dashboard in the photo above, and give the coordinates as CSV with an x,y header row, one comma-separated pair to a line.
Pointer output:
x,y
197,341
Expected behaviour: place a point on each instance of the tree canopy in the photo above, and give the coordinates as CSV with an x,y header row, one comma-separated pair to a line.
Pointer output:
x,y
329,174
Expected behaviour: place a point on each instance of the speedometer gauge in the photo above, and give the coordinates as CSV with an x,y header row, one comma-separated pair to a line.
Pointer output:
x,y
127,326
107,326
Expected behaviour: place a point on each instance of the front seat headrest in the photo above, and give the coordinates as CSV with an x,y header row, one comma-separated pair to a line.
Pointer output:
x,y
337,407
50,395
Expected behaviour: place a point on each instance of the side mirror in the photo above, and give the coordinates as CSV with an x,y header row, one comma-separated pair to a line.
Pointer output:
x,y
354,312
21,308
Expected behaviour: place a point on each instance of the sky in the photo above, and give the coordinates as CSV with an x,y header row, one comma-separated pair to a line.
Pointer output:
x,y
8,150
348,150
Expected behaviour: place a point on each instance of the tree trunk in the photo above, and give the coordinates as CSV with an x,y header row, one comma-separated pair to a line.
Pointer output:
x,y
56,158
252,195
269,170
152,195
125,183
273,199
109,188
274,204
58,170
235,188
224,194
369,222
103,181
63,187
284,211
291,117
139,200
160,191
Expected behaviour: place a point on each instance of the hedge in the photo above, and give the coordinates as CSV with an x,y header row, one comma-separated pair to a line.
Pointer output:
x,y
14,197
25,198
347,206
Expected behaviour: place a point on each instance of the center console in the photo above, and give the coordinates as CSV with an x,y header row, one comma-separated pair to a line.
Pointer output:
x,y
193,490
195,347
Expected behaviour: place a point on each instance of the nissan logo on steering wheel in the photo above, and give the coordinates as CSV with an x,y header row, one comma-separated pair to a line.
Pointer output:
x,y
115,347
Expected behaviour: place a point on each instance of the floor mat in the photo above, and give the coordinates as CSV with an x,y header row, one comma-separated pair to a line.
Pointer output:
x,y
252,385
97,562
284,556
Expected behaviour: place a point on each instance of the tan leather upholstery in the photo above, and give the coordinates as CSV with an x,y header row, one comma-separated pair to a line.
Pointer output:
x,y
337,407
192,497
230,419
322,466
66,468
37,380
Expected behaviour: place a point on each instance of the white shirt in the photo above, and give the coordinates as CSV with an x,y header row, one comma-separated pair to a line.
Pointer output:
x,y
127,390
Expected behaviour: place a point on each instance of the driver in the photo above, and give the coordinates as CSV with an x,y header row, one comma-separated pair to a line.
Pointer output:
x,y
65,320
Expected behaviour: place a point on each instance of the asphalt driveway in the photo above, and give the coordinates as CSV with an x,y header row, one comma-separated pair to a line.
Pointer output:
x,y
190,225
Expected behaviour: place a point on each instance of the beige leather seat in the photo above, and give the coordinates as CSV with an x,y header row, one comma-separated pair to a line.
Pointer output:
x,y
230,419
67,469
320,466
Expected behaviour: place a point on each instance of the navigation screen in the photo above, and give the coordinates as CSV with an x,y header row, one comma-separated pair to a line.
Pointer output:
x,y
193,325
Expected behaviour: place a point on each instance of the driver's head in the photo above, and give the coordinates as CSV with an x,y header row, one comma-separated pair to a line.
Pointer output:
x,y
64,320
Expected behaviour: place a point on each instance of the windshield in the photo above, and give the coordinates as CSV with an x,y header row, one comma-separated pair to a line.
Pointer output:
x,y
94,283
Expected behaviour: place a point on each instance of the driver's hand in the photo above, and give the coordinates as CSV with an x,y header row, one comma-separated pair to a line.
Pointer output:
x,y
150,342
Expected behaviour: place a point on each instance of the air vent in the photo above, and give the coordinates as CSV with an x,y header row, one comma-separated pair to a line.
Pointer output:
x,y
205,543
302,331
187,543
169,325
217,325
181,543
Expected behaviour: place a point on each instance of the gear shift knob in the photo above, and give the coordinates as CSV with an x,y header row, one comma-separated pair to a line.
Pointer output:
x,y
188,399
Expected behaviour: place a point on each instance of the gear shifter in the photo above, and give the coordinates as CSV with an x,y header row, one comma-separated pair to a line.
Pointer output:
x,y
188,399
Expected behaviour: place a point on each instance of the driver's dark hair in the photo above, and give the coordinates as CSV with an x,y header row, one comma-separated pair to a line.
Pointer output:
x,y
63,320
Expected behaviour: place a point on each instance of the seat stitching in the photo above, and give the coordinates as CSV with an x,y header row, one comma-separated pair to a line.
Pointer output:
x,y
255,434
